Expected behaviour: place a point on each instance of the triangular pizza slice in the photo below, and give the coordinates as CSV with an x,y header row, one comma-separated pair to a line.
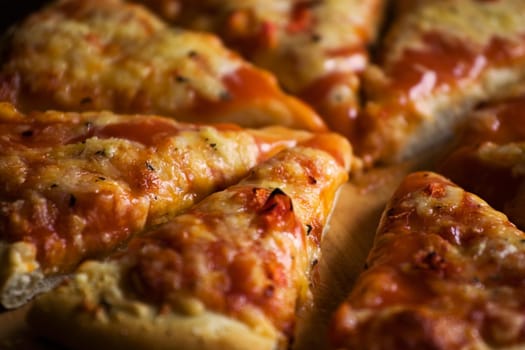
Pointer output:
x,y
446,272
439,59
229,273
489,159
316,49
79,55
78,185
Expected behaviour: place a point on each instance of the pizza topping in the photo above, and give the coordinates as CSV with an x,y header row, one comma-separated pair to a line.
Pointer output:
x,y
445,56
230,277
332,95
445,61
249,257
452,263
438,62
116,56
82,183
242,85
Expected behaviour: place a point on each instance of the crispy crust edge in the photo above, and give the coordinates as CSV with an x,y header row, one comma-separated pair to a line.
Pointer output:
x,y
21,278
117,322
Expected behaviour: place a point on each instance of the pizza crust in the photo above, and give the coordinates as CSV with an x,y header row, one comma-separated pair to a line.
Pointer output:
x,y
21,277
105,318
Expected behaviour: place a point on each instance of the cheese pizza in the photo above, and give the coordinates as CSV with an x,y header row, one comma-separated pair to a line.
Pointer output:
x,y
229,273
78,185
78,55
489,158
317,49
446,272
439,59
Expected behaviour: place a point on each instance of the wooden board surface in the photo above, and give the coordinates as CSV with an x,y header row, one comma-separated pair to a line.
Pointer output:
x,y
345,247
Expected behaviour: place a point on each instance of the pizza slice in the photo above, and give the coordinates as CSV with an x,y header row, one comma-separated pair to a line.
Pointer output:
x,y
440,58
78,55
489,159
317,49
229,273
446,272
78,185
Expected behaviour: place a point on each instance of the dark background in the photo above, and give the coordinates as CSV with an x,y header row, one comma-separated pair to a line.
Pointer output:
x,y
14,11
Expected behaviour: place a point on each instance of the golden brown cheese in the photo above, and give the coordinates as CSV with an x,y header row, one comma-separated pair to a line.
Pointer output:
x,y
77,185
439,60
489,158
84,55
245,254
446,272
317,49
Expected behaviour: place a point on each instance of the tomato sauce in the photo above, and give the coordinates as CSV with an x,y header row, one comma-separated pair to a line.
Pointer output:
x,y
340,116
243,87
446,60
233,272
147,131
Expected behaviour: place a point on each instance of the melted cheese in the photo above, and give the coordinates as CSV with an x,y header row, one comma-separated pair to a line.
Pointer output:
x,y
124,48
474,22
446,271
298,56
112,55
441,59
248,248
76,185
316,49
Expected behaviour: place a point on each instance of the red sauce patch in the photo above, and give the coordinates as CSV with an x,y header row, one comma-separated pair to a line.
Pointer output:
x,y
147,131
244,86
446,61
227,274
340,116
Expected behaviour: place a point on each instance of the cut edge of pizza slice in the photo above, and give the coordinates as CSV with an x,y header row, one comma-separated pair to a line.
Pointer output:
x,y
228,273
437,64
446,271
78,185
145,68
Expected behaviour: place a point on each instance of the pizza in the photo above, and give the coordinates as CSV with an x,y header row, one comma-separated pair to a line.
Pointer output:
x,y
446,272
263,174
229,273
317,49
489,158
438,60
79,185
80,55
